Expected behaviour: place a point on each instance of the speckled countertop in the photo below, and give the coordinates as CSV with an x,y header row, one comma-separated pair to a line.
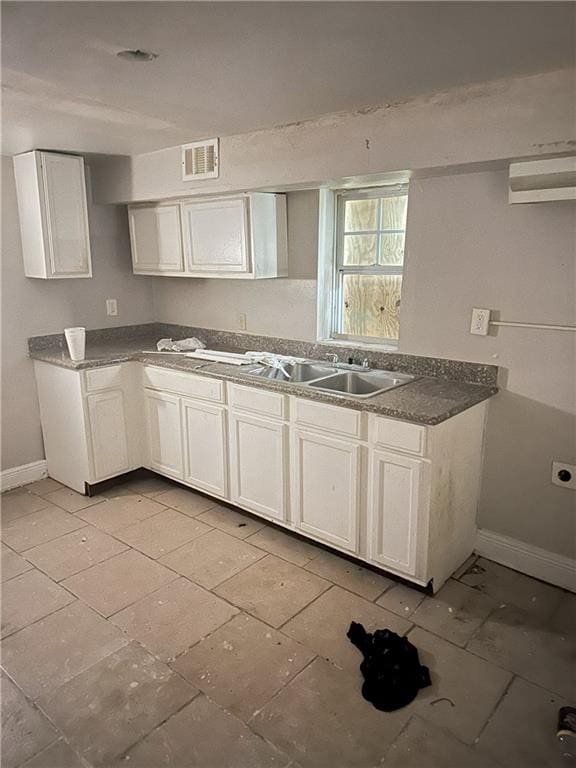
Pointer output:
x,y
426,400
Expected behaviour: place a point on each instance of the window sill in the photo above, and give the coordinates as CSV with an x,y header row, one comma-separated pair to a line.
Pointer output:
x,y
376,347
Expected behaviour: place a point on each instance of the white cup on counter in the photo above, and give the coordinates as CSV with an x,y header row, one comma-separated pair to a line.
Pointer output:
x,y
76,340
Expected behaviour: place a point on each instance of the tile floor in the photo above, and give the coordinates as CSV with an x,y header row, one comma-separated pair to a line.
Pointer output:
x,y
150,626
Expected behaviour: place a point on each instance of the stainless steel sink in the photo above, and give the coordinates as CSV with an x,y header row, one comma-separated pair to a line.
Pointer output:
x,y
297,372
362,384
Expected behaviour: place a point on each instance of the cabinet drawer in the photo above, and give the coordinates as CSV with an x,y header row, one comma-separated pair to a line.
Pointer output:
x,y
184,383
259,401
398,434
330,418
103,378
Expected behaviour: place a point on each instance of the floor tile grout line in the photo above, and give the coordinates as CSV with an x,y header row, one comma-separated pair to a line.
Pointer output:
x,y
493,710
70,575
36,621
22,552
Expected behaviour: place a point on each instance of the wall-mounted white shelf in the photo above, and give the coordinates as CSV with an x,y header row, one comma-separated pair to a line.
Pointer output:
x,y
541,181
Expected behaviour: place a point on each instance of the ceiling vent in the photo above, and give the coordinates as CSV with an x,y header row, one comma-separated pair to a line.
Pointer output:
x,y
200,160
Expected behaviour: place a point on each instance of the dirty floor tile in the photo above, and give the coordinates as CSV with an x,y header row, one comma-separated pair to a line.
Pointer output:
x,y
14,504
48,653
188,502
25,532
513,588
74,552
30,597
120,512
455,612
203,735
231,521
57,755
522,730
243,664
174,617
272,590
12,563
532,649
213,558
25,730
166,531
70,500
349,575
148,486
114,703
323,625
441,748
321,719
281,544
115,583
464,691
401,599
44,486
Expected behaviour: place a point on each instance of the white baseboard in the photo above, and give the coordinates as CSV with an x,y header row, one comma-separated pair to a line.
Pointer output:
x,y
27,473
534,561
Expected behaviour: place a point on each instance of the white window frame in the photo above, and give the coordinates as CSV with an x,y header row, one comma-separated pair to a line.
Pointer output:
x,y
331,269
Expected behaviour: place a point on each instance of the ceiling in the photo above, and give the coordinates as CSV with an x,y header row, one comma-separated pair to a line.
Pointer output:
x,y
226,68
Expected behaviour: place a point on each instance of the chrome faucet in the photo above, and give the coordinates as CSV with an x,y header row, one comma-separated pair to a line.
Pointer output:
x,y
366,364
334,358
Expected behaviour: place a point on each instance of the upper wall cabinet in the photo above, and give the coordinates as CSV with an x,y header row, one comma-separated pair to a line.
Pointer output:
x,y
51,193
234,237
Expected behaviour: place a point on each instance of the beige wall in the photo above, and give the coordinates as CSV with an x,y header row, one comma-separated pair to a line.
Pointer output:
x,y
33,307
466,247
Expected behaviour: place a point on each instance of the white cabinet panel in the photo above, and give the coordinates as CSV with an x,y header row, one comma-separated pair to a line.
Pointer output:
x,y
258,464
108,434
215,235
326,492
204,429
156,238
397,509
53,211
164,435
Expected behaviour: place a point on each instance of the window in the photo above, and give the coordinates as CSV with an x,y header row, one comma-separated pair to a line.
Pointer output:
x,y
369,235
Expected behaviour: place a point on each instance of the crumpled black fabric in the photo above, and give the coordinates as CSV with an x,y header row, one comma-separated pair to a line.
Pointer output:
x,y
391,667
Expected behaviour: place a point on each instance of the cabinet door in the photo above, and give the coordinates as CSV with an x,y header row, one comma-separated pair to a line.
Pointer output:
x,y
215,235
163,430
108,435
325,490
204,431
397,507
66,213
156,238
258,464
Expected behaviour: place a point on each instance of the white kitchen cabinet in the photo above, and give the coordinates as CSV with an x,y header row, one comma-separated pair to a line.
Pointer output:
x,y
53,212
108,433
242,236
156,238
398,493
216,235
326,487
258,464
163,432
205,446
91,422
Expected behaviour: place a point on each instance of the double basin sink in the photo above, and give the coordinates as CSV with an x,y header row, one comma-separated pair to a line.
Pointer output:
x,y
360,384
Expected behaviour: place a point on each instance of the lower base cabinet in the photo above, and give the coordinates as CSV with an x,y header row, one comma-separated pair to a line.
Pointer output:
x,y
398,493
258,464
108,433
205,446
163,432
326,488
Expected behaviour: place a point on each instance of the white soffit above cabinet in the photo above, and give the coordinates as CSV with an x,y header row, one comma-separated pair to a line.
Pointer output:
x,y
540,181
200,160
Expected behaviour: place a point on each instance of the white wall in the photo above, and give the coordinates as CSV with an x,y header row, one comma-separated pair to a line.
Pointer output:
x,y
34,307
466,247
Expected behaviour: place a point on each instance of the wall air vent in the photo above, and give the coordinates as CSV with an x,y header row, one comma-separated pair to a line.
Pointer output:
x,y
200,160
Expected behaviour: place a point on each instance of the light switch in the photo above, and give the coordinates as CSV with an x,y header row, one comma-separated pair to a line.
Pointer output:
x,y
111,307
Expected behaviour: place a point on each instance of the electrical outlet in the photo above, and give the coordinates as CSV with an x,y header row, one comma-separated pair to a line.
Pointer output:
x,y
242,321
111,307
480,321
564,475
